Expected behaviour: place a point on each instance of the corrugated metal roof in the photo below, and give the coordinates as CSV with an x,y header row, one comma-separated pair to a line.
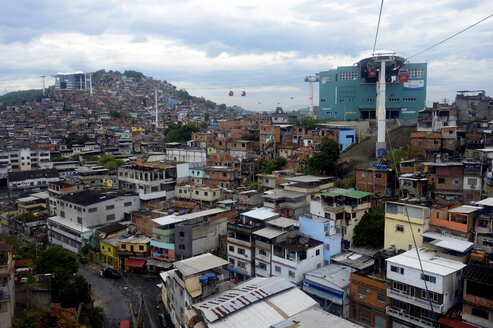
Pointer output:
x,y
486,202
449,242
465,209
199,263
241,296
347,193
269,232
262,213
269,311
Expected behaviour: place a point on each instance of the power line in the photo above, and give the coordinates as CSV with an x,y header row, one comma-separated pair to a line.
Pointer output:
x,y
378,26
450,37
276,84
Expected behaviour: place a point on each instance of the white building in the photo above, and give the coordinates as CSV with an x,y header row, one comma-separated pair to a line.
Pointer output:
x,y
152,181
25,159
197,156
31,181
409,304
185,285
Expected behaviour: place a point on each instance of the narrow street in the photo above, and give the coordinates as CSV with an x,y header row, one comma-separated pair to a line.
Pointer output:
x,y
116,295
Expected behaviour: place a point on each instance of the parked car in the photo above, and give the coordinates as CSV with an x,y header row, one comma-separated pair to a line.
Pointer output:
x,y
162,320
110,273
124,323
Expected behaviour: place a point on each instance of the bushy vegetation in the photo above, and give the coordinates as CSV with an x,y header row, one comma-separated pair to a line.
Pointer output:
x,y
110,162
370,230
180,133
325,160
20,97
268,166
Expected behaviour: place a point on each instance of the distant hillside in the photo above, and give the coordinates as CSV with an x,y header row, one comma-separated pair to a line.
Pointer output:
x,y
19,97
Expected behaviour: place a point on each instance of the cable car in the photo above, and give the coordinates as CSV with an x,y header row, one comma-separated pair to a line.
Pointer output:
x,y
243,93
231,94
403,75
372,72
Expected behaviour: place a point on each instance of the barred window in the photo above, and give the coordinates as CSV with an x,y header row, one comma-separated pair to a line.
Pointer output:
x,y
416,73
349,75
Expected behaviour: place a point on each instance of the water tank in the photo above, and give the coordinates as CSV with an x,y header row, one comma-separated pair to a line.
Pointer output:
x,y
384,167
378,166
181,212
210,276
203,280
170,212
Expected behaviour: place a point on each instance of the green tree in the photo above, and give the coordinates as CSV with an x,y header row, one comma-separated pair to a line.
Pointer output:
x,y
180,133
56,257
27,320
308,123
281,162
253,186
77,290
207,116
268,166
110,162
325,160
115,114
370,230
249,136
222,107
82,139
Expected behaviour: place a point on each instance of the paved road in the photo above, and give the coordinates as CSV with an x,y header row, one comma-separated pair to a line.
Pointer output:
x,y
116,295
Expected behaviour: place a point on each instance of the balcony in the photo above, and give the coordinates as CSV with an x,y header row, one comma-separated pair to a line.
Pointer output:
x,y
438,308
398,313
479,301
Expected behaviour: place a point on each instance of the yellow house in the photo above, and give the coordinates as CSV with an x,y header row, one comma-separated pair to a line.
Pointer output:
x,y
109,254
107,183
137,129
397,229
135,250
164,291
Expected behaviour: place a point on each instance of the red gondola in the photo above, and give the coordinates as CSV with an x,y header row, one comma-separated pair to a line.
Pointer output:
x,y
243,93
403,75
372,72
231,93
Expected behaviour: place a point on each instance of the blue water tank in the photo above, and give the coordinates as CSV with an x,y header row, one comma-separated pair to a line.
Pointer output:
x,y
170,212
210,276
203,280
1,293
378,166
384,167
181,212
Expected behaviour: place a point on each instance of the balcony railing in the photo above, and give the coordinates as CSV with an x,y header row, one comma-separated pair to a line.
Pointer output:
x,y
414,300
398,313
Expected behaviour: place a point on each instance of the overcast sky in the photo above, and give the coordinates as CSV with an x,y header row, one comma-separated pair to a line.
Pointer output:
x,y
264,46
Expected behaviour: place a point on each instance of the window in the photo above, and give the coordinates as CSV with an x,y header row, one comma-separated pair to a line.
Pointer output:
x,y
231,248
262,252
426,314
127,204
365,316
291,274
206,193
472,181
363,174
416,73
110,207
241,251
196,192
79,220
124,246
381,298
431,279
349,75
110,217
363,291
400,286
181,246
62,214
433,296
399,304
232,261
479,313
441,180
399,227
92,210
317,252
394,268
277,269
182,234
241,264
262,266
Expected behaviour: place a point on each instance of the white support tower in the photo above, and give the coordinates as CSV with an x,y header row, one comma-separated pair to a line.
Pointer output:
x,y
155,101
310,79
90,84
43,77
381,112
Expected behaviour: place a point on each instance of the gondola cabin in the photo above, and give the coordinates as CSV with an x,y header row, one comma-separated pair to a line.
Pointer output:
x,y
403,75
231,94
372,72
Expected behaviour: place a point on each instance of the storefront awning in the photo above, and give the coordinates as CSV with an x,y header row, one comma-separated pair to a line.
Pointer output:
x,y
135,263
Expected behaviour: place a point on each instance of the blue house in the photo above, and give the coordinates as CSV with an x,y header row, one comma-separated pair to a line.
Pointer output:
x,y
322,229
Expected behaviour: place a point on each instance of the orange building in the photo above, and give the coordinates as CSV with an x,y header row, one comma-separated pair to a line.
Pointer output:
x,y
368,298
455,220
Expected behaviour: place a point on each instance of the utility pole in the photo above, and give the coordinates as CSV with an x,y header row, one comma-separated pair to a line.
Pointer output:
x,y
310,79
380,111
43,77
155,101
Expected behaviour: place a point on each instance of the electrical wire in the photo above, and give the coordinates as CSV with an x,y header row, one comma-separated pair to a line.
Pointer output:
x,y
450,37
275,84
378,27
428,296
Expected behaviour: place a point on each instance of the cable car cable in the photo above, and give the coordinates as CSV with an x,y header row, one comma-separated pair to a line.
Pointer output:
x,y
378,26
450,37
